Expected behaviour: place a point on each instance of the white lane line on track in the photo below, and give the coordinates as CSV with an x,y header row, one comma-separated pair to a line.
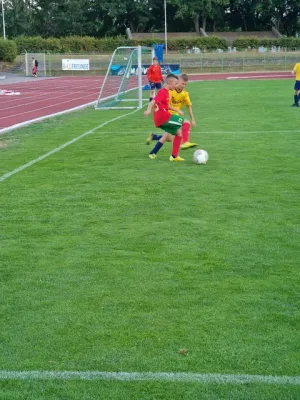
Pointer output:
x,y
34,111
39,100
57,149
56,92
49,91
236,379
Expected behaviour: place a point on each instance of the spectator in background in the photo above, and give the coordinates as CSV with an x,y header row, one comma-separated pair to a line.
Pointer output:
x,y
34,67
155,77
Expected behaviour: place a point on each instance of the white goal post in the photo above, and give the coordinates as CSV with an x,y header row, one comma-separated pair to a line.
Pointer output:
x,y
41,58
122,87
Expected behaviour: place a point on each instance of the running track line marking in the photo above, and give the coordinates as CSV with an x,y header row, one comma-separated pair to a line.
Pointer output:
x,y
39,119
57,149
150,376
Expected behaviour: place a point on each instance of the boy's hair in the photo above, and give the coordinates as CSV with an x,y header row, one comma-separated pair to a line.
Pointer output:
x,y
154,59
184,77
171,76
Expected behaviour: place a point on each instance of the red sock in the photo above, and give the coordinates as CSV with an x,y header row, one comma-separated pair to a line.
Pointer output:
x,y
176,146
186,132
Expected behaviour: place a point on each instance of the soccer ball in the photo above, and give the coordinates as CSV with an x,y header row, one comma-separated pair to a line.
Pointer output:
x,y
200,157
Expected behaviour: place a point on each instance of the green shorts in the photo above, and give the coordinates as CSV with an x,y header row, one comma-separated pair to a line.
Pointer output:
x,y
172,126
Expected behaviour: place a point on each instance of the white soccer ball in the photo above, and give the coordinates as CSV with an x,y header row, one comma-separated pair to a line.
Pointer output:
x,y
200,156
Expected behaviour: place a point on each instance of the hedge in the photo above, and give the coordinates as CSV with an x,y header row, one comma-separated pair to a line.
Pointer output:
x,y
78,44
8,50
289,43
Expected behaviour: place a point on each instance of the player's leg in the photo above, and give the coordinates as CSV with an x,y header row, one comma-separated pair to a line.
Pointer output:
x,y
176,121
153,136
296,94
186,129
176,146
152,91
158,145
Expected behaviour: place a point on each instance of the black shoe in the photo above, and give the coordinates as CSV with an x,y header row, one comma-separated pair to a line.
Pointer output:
x,y
295,105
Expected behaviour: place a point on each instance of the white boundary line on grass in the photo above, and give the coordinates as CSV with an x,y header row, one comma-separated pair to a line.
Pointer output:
x,y
201,133
57,149
150,376
259,77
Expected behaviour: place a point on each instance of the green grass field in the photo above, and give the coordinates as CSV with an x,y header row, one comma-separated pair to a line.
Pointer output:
x,y
113,262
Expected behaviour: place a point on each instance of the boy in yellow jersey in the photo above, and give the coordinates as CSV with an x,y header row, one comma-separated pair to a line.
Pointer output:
x,y
296,71
178,98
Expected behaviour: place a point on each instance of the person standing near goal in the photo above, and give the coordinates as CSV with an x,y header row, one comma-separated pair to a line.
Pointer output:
x,y
155,77
34,67
163,119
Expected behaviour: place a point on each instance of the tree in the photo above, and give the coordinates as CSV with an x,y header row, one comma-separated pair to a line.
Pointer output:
x,y
18,17
199,10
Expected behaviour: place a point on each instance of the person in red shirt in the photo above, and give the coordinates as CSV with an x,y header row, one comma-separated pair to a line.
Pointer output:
x,y
155,77
163,119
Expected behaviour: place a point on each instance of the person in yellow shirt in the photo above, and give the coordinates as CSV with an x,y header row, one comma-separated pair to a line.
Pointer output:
x,y
296,71
178,98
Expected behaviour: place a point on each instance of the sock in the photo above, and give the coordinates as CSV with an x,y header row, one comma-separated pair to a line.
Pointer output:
x,y
185,132
156,148
156,137
176,146
150,99
296,99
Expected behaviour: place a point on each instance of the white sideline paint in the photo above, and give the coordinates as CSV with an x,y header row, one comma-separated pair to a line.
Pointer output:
x,y
259,76
208,132
57,149
150,376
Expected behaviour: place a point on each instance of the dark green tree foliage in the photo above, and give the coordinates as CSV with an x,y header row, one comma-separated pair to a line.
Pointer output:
x,y
100,18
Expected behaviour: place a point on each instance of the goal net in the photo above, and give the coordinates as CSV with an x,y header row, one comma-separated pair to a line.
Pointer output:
x,y
125,78
41,59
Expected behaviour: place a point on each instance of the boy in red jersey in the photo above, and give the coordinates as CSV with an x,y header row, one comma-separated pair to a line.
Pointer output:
x,y
155,77
163,119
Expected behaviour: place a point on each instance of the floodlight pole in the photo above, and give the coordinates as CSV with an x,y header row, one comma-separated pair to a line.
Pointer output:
x,y
3,21
166,31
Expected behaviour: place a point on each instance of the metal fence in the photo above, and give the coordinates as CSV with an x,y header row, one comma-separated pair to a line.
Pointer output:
x,y
52,64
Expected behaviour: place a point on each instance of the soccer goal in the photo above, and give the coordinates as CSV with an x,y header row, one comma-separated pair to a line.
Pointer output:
x,y
125,77
41,58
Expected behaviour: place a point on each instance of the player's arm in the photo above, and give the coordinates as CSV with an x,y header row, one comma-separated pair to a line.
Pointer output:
x,y
176,110
294,70
190,111
149,108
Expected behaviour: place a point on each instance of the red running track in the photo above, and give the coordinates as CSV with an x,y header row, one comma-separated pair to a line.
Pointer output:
x,y
42,98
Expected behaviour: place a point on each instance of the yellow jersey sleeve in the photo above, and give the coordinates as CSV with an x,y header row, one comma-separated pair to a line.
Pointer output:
x,y
297,70
187,99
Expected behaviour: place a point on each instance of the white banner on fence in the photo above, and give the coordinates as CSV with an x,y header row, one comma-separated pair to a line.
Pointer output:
x,y
75,65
